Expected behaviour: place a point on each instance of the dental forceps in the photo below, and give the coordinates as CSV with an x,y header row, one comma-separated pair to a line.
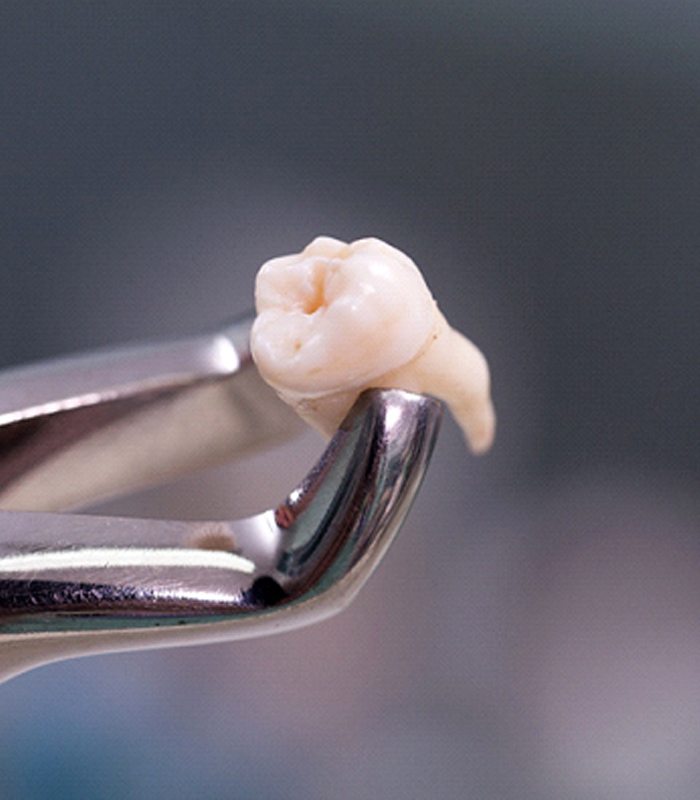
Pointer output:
x,y
76,430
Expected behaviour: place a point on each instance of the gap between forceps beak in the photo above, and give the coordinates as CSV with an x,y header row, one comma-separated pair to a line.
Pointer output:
x,y
76,430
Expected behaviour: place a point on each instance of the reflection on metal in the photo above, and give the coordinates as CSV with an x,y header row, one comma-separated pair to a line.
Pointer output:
x,y
109,558
77,430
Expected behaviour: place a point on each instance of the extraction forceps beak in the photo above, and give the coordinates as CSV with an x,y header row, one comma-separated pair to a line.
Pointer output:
x,y
76,430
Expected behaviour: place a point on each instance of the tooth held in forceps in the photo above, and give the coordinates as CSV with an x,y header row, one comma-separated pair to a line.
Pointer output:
x,y
339,318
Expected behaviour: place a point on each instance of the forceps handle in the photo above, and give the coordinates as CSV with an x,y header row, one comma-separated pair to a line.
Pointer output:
x,y
81,429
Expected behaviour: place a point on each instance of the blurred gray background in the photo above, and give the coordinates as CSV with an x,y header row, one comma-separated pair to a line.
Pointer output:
x,y
535,630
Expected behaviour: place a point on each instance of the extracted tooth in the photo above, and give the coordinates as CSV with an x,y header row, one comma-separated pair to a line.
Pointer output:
x,y
339,318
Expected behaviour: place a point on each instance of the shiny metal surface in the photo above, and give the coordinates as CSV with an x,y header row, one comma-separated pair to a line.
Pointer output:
x,y
77,584
77,430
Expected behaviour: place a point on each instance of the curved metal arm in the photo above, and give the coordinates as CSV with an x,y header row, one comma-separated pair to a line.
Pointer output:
x,y
72,585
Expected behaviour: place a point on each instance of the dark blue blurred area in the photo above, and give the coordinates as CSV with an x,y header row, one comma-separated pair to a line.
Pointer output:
x,y
541,163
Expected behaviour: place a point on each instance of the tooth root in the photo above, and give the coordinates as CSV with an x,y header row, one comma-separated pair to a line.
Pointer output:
x,y
462,380
454,370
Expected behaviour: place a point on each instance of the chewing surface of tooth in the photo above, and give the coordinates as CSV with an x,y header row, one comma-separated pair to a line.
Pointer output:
x,y
339,318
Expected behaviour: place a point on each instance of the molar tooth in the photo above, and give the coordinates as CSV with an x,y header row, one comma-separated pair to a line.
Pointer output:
x,y
339,318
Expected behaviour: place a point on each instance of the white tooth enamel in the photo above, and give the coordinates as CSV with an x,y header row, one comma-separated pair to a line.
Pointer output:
x,y
339,318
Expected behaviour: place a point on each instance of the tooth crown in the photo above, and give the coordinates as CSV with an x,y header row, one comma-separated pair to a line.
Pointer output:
x,y
339,315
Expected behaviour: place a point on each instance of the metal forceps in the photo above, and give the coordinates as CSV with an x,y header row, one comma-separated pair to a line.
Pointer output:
x,y
79,429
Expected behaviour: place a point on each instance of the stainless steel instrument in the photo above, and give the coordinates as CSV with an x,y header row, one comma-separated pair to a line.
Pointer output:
x,y
76,430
